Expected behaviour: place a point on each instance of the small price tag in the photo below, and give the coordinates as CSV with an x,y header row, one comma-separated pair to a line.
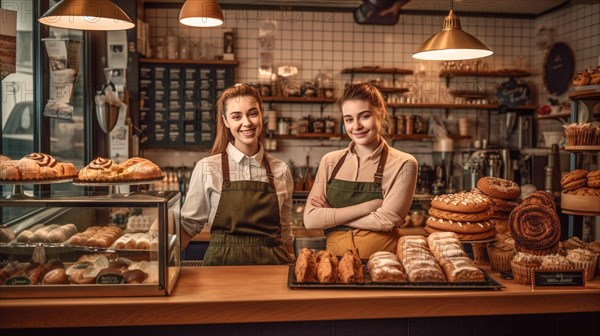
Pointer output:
x,y
558,278
110,279
19,280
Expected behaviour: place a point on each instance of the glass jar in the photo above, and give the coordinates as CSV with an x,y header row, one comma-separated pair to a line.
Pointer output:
x,y
283,126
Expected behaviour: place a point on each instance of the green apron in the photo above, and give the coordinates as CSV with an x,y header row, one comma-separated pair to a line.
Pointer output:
x,y
341,194
246,229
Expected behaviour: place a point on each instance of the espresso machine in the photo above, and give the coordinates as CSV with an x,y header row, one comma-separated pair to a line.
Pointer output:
x,y
443,151
490,162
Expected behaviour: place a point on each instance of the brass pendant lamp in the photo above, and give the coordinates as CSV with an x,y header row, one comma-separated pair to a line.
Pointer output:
x,y
452,43
87,15
201,13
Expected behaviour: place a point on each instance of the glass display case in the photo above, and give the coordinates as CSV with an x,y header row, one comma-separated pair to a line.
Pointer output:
x,y
91,246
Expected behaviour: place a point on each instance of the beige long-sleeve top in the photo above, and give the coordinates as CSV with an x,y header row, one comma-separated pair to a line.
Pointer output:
x,y
398,187
204,193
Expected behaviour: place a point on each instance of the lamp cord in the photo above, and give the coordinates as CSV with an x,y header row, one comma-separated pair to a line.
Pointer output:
x,y
451,4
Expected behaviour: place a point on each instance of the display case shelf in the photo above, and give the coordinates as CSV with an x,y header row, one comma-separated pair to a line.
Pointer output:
x,y
377,70
495,73
337,136
303,100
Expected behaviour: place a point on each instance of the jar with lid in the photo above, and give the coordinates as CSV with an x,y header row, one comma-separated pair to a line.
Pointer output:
x,y
172,50
184,48
400,125
283,126
329,125
318,126
391,124
409,124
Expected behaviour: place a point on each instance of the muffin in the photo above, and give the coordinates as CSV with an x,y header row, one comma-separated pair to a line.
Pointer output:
x,y
501,251
584,259
571,244
595,248
556,262
522,265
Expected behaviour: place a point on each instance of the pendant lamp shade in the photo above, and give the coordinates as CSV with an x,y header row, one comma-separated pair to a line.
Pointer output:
x,y
201,13
87,15
451,44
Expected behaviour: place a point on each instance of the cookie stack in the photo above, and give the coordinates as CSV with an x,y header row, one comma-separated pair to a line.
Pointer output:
x,y
467,214
581,182
504,196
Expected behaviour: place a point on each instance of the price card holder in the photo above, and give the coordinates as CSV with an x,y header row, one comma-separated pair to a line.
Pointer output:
x,y
19,280
110,279
557,279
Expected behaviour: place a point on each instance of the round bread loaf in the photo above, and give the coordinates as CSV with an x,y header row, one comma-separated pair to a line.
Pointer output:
x,y
56,277
460,227
465,202
462,217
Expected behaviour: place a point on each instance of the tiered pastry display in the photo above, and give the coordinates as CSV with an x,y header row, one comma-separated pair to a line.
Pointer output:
x,y
35,167
504,196
467,214
102,170
581,190
582,134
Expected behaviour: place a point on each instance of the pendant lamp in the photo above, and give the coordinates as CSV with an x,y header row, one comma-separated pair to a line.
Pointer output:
x,y
452,43
201,13
87,15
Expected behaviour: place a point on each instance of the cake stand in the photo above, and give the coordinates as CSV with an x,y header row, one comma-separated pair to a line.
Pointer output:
x,y
114,190
17,189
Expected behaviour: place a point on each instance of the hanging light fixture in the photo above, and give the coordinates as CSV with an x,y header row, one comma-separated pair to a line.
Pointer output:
x,y
201,13
452,43
87,15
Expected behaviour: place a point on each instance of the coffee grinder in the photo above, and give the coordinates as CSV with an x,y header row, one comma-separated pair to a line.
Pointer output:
x,y
443,151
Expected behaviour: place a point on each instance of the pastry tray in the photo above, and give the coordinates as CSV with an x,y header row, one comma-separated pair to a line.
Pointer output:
x,y
489,283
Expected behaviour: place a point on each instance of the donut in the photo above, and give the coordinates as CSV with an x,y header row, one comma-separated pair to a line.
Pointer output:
x,y
535,229
467,236
464,202
541,197
462,217
593,179
582,78
499,188
499,204
460,227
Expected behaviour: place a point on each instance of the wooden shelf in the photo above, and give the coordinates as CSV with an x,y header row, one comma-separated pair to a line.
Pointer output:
x,y
378,70
337,136
385,90
594,149
304,100
187,61
497,73
580,213
459,106
560,115
586,94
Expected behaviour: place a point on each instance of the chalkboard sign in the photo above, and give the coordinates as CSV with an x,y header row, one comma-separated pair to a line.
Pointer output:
x,y
513,93
559,66
558,278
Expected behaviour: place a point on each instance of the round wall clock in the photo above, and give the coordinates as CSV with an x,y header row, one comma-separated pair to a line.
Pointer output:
x,y
559,66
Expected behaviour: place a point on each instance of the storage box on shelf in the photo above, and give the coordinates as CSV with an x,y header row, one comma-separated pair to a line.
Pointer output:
x,y
111,262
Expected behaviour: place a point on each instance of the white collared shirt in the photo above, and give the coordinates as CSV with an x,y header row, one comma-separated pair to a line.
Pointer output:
x,y
204,192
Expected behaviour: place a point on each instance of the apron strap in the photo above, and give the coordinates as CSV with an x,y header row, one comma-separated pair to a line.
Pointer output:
x,y
225,169
378,177
337,167
382,160
225,166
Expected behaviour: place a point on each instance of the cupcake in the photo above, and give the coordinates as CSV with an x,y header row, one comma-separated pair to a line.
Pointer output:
x,y
571,244
556,262
595,248
522,265
584,259
501,251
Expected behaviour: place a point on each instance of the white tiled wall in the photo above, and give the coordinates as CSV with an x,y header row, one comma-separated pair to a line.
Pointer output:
x,y
333,41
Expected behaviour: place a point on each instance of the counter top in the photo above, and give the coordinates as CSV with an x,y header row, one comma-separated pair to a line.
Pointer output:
x,y
206,295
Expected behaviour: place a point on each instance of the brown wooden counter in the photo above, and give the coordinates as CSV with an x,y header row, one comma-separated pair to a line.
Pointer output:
x,y
208,295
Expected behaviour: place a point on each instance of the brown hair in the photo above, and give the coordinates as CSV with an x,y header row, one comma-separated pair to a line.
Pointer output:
x,y
224,136
370,93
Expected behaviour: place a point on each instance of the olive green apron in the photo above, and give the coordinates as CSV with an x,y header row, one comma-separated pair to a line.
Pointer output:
x,y
341,194
246,229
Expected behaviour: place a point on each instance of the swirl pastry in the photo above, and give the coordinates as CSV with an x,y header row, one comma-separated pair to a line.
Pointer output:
x,y
38,166
137,168
541,197
100,169
535,229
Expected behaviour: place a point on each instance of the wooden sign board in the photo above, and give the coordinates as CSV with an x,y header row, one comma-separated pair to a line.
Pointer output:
x,y
557,279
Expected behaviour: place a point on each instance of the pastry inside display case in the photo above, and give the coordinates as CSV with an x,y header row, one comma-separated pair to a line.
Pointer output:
x,y
90,246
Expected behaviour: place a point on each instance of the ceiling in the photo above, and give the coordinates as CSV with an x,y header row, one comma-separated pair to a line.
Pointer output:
x,y
473,7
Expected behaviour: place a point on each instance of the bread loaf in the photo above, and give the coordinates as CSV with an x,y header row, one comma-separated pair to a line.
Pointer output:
x,y
306,266
461,270
385,267
350,268
327,267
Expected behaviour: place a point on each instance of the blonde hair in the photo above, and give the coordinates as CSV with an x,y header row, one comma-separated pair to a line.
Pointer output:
x,y
223,136
370,93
